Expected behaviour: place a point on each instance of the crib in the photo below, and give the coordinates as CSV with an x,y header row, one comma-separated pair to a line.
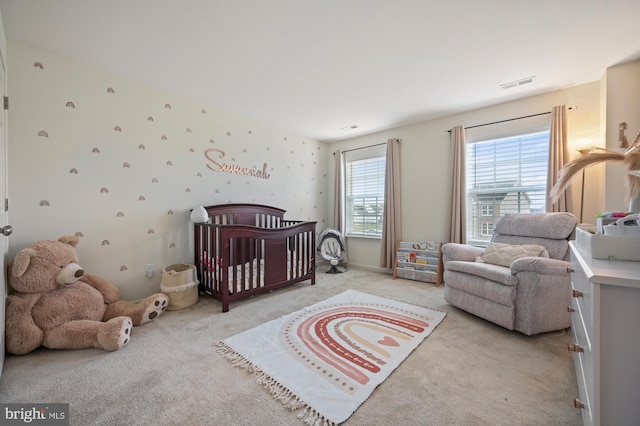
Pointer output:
x,y
248,249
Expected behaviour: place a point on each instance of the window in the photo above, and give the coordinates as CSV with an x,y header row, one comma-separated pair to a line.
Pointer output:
x,y
364,192
487,210
507,175
487,228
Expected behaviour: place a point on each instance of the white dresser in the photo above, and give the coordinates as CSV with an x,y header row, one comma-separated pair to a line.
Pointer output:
x,y
606,333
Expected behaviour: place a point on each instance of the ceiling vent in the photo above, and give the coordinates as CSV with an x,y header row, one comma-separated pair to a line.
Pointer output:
x,y
518,83
347,128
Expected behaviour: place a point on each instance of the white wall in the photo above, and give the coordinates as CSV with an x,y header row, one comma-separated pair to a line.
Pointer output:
x,y
622,88
128,192
154,228
425,163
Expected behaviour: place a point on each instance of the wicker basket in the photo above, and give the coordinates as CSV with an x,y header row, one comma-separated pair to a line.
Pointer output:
x,y
180,283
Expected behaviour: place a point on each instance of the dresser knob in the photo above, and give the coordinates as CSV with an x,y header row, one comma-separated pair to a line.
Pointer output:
x,y
574,347
577,293
571,309
578,404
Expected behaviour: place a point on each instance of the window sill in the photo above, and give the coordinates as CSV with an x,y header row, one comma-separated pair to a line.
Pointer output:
x,y
364,236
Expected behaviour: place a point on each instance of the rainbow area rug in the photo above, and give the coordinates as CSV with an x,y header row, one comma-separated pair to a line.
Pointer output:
x,y
327,359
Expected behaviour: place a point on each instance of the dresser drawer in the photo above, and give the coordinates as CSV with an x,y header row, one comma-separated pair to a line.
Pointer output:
x,y
583,360
582,294
583,372
579,326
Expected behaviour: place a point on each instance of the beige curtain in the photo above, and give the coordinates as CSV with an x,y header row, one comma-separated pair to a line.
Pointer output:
x,y
338,200
558,157
392,225
458,221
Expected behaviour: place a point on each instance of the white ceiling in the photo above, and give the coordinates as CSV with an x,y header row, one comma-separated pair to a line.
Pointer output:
x,y
317,66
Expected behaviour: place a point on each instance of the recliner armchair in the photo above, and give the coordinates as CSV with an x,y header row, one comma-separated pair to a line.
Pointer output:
x,y
531,292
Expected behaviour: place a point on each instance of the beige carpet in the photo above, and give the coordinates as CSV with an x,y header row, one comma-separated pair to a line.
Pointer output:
x,y
471,371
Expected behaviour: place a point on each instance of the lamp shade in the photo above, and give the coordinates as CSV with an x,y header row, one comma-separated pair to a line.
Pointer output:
x,y
199,215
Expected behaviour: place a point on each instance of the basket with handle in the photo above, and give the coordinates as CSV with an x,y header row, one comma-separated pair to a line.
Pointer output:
x,y
628,225
180,283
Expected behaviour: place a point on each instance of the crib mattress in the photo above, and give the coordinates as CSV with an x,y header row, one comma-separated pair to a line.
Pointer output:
x,y
251,274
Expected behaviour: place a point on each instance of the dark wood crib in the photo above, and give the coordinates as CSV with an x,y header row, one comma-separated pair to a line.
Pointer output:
x,y
247,249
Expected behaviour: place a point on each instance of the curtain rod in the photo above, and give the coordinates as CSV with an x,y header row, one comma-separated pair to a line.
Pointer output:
x,y
511,119
362,147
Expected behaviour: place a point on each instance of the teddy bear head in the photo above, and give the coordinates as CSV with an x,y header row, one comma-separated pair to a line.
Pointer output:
x,y
45,266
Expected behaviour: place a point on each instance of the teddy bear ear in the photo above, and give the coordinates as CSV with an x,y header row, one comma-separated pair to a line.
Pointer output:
x,y
72,240
21,261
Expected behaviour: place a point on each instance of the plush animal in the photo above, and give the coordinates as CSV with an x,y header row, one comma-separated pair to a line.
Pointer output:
x,y
54,303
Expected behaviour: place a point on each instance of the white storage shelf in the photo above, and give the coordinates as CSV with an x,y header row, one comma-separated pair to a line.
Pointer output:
x,y
420,264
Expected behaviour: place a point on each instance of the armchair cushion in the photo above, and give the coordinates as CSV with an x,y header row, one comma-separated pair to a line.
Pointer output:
x,y
455,251
496,273
555,226
502,254
557,249
540,266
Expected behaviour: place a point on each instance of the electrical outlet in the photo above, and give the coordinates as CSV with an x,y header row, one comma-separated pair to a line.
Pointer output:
x,y
149,270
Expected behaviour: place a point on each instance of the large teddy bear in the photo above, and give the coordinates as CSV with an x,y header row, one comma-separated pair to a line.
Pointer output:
x,y
54,303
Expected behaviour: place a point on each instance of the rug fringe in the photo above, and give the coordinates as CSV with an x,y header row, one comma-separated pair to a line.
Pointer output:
x,y
280,393
312,418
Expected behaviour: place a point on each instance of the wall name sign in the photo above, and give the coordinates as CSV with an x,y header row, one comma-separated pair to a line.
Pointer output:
x,y
214,155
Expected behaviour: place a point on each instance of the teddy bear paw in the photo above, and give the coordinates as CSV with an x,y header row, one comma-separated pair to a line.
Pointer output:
x,y
115,333
155,305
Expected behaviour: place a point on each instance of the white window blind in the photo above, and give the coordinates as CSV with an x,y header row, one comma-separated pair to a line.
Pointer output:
x,y
364,180
507,175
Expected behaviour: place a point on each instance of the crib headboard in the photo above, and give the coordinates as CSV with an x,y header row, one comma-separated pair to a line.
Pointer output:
x,y
246,214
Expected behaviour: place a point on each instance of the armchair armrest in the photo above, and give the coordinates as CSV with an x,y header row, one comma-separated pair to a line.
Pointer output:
x,y
540,265
455,251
